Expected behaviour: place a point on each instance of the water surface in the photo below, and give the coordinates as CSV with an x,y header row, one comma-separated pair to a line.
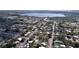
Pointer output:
x,y
44,14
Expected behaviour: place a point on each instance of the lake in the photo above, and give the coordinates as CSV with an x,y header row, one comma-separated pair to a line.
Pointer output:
x,y
44,14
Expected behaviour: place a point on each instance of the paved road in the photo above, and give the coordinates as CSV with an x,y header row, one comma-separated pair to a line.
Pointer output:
x,y
21,45
50,41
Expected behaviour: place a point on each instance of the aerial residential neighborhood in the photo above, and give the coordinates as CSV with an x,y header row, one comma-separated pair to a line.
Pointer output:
x,y
39,29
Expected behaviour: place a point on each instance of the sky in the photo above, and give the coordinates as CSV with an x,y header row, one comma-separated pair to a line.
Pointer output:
x,y
39,4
